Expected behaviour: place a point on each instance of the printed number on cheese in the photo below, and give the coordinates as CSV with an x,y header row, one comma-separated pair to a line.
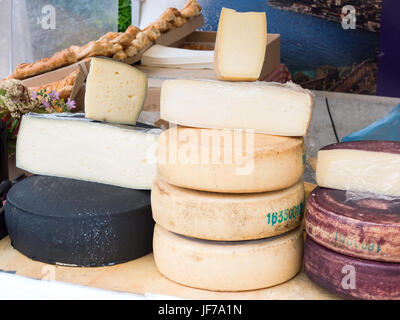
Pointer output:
x,y
228,217
363,226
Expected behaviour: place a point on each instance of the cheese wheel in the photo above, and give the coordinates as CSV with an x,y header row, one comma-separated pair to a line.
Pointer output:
x,y
351,277
265,107
227,217
363,166
78,223
3,229
348,223
70,146
228,266
229,161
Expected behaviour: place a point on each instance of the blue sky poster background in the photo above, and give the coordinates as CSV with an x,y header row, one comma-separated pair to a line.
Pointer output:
x,y
308,42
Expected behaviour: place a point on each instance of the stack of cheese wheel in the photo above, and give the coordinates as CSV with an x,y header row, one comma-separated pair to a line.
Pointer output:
x,y
353,220
89,204
228,200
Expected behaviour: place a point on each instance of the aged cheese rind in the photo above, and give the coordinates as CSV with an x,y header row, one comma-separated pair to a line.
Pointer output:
x,y
364,166
268,108
227,217
365,227
71,146
351,277
273,164
115,91
78,223
228,266
240,45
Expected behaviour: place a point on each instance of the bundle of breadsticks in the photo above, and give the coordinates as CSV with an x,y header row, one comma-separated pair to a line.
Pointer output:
x,y
116,45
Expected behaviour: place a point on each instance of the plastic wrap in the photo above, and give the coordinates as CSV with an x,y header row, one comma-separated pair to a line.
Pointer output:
x,y
361,166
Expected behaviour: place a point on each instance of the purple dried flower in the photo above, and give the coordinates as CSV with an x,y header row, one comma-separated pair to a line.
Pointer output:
x,y
71,104
46,104
34,95
54,94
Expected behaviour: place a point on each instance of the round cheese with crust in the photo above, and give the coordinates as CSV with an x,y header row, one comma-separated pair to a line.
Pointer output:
x,y
224,216
228,266
229,161
351,277
356,224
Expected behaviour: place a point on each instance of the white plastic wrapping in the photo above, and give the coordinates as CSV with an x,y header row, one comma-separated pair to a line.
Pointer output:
x,y
361,167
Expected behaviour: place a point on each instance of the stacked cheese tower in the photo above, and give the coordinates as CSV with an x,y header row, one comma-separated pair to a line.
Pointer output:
x,y
83,208
228,200
353,220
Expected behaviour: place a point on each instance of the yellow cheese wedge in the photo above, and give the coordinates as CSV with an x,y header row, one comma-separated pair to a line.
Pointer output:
x,y
229,161
227,217
115,91
240,45
268,108
228,266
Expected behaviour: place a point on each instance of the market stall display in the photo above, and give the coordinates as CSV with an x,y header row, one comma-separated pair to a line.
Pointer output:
x,y
224,159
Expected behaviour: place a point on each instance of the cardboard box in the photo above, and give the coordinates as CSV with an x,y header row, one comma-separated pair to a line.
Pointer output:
x,y
78,91
206,38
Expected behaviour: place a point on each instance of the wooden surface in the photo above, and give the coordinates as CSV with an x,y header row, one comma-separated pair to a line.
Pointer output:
x,y
141,277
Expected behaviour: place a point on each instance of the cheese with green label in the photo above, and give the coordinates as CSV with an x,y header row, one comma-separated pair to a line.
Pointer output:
x,y
115,91
227,217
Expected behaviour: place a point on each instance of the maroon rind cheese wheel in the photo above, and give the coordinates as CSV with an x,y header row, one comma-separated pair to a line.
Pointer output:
x,y
367,145
367,228
351,277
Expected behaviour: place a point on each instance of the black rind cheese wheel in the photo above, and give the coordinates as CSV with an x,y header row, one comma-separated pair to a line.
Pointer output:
x,y
367,228
3,229
351,277
78,223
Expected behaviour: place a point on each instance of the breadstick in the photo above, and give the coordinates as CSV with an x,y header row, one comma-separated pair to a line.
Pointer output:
x,y
63,87
98,48
131,51
191,9
152,33
120,55
59,59
133,31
